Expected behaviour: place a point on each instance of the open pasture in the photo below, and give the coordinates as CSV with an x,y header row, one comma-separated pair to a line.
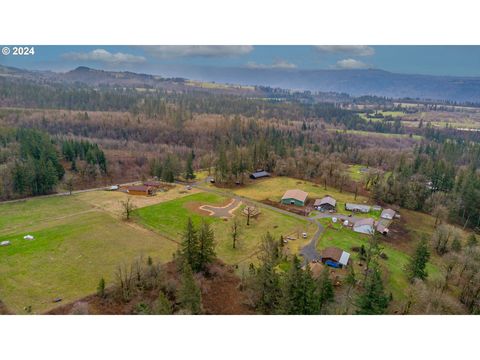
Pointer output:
x,y
171,217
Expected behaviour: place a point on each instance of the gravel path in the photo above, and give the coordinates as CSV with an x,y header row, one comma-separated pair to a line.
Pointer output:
x,y
224,211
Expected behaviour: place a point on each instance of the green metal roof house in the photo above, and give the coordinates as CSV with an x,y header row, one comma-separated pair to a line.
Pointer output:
x,y
294,197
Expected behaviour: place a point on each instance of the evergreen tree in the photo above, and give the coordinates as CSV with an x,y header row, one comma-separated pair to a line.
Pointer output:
x,y
472,241
372,300
168,172
206,246
456,245
189,246
189,294
267,281
162,306
325,289
101,288
299,295
189,173
416,268
350,281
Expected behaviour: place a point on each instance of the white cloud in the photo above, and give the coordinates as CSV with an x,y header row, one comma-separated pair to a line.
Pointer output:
x,y
350,64
357,50
169,51
104,56
279,64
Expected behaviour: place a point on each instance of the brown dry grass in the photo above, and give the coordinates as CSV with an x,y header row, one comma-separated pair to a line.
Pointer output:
x,y
111,201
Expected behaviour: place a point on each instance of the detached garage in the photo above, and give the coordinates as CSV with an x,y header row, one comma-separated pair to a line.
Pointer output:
x,y
335,257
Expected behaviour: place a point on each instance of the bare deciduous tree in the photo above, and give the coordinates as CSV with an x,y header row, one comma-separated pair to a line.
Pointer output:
x,y
127,208
235,232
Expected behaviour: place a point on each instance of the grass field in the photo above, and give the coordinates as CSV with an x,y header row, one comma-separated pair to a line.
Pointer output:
x,y
110,201
468,120
355,172
345,239
377,134
393,114
75,245
213,85
274,188
170,218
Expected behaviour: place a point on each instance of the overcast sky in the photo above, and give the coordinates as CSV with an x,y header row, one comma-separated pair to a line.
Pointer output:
x,y
435,60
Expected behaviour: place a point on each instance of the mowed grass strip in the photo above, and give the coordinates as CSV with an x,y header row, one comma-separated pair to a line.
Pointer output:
x,y
74,247
171,217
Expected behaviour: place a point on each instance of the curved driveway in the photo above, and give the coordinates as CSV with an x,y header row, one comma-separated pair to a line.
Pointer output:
x,y
309,252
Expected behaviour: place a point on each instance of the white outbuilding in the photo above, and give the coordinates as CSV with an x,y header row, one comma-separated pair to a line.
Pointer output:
x,y
388,214
364,226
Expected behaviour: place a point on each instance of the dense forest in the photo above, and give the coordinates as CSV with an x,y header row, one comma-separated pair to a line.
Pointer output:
x,y
31,161
166,134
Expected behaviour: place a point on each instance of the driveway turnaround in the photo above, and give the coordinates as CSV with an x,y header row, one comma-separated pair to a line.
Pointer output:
x,y
224,211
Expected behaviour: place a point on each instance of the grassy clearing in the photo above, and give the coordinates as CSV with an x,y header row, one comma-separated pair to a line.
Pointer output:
x,y
110,201
376,134
213,85
17,215
393,114
67,261
170,218
74,247
394,266
274,188
355,172
201,175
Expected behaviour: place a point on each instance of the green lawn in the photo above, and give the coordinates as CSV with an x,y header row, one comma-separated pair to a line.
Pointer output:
x,y
170,218
36,211
274,188
377,134
75,245
393,114
345,239
355,172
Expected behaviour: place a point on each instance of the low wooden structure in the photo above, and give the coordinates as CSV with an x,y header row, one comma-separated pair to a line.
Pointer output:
x,y
335,257
259,174
140,190
328,203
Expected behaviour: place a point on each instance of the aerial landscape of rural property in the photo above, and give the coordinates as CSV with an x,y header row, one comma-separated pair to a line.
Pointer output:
x,y
129,186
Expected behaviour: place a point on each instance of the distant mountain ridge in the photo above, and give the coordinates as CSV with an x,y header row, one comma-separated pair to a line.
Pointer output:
x,y
352,82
